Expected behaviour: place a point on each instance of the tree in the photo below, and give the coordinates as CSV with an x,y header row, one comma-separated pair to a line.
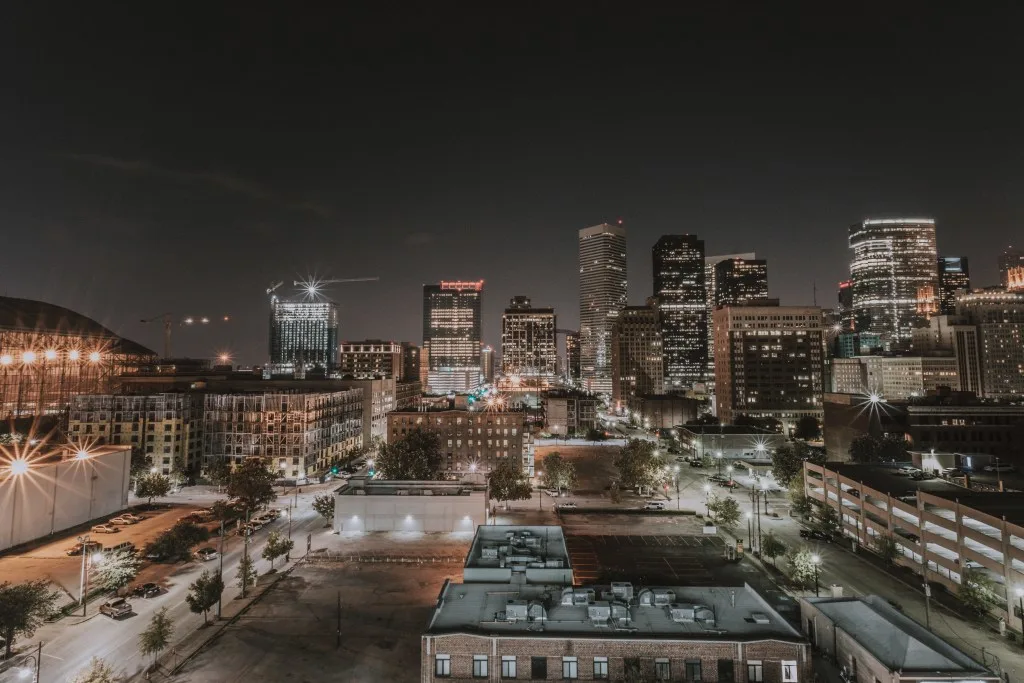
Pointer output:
x,y
157,635
828,520
801,502
152,485
802,567
23,608
808,428
893,449
725,510
769,423
116,570
507,482
788,462
594,434
98,671
887,548
204,593
140,463
276,546
705,419
558,472
639,468
772,547
176,543
224,512
219,473
416,456
977,591
252,483
179,476
324,505
246,573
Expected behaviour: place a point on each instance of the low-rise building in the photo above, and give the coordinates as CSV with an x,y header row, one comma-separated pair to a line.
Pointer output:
x,y
371,359
367,505
663,411
896,378
619,632
570,413
734,442
872,641
518,554
407,395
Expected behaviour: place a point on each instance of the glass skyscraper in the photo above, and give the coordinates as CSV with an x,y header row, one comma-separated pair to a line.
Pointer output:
x,y
602,297
681,293
303,335
954,275
740,281
528,342
451,334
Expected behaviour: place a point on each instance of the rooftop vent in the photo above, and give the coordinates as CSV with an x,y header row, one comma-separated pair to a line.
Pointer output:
x,y
656,597
599,613
760,618
489,553
428,492
623,590
402,492
577,596
516,610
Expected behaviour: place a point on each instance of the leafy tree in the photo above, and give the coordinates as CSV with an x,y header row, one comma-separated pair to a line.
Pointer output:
x,y
801,502
252,483
594,434
153,485
157,635
614,493
204,593
977,591
893,449
246,573
828,520
507,482
178,473
224,512
177,542
772,547
140,463
638,467
725,510
416,456
219,473
324,505
802,568
116,570
558,473
23,607
98,671
276,546
769,423
865,449
887,548
788,462
808,428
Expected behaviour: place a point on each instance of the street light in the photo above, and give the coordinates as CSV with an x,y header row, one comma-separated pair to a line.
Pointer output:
x,y
718,456
33,666
750,530
707,497
816,560
676,482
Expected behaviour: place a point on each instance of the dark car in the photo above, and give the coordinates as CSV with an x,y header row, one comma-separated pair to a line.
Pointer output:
x,y
814,534
90,546
696,463
728,483
718,478
147,590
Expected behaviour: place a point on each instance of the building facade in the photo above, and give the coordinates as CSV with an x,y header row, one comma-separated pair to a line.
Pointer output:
x,y
602,265
663,411
451,333
410,363
1011,269
471,441
681,292
711,289
733,442
572,358
769,362
954,276
895,378
740,281
998,316
303,336
570,413
364,505
379,399
370,359
528,343
894,264
487,364
850,344
637,354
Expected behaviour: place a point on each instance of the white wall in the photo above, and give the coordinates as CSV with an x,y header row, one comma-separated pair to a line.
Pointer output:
x,y
57,496
432,514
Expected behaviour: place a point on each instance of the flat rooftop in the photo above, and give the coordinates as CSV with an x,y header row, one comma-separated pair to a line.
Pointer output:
x,y
728,430
900,643
619,610
493,546
360,485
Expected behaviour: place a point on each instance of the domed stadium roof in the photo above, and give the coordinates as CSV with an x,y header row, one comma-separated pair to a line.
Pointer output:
x,y
26,315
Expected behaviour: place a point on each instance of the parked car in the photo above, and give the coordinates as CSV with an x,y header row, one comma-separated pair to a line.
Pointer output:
x,y
907,470
104,529
90,547
815,535
207,553
654,505
255,524
696,463
952,471
718,478
132,516
567,506
117,608
728,483
1000,467
147,590
551,492
922,476
126,547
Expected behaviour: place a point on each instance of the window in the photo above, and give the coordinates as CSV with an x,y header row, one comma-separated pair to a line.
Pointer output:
x,y
789,671
539,667
508,666
601,667
443,666
662,670
631,667
693,670
725,671
755,672
479,666
569,668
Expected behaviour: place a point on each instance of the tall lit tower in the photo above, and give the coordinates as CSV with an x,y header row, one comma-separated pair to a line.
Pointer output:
x,y
602,297
303,335
711,287
954,275
451,335
680,288
894,265
528,344
1011,268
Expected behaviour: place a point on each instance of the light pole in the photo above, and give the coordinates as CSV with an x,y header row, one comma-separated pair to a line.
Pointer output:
x,y
718,457
540,499
728,470
676,470
36,661
750,530
83,578
816,560
220,569
707,498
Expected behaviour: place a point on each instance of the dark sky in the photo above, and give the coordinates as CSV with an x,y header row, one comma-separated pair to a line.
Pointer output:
x,y
183,158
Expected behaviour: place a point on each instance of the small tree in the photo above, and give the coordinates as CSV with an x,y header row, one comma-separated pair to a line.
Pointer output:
x,y
224,512
802,567
808,428
788,462
246,573
801,502
772,547
887,548
157,635
558,472
97,671
219,473
276,546
252,483
204,593
827,520
639,468
977,591
324,505
506,482
23,607
725,510
116,570
614,492
416,456
153,485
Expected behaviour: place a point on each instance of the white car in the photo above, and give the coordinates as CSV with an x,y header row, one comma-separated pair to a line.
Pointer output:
x,y
206,554
567,506
121,521
999,468
654,505
907,470
104,529
551,492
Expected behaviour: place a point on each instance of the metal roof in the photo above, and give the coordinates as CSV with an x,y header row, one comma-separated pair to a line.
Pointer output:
x,y
26,315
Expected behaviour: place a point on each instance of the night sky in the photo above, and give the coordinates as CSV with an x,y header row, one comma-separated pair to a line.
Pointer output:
x,y
182,159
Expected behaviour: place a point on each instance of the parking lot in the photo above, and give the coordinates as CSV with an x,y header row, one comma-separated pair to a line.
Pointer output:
x,y
647,559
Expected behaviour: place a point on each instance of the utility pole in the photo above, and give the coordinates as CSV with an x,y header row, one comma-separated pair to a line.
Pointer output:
x,y
220,570
245,554
84,542
337,642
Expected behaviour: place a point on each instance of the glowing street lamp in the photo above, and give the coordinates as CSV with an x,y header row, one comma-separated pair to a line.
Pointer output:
x,y
19,466
94,357
28,357
50,354
152,470
73,354
6,359
816,560
82,454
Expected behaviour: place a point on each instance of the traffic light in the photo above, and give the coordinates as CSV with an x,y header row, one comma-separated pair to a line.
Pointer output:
x,y
334,470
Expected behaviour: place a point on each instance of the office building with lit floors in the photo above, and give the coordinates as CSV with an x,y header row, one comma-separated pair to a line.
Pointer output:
x,y
451,335
998,316
711,294
572,358
680,292
769,363
49,354
954,277
617,632
373,358
637,358
1011,268
602,264
303,336
528,341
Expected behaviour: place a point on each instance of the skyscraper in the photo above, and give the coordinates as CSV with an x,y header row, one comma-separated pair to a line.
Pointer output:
x,y
679,286
451,335
894,265
711,288
528,344
572,357
1011,268
602,296
303,335
953,275
740,281
998,316
637,362
487,364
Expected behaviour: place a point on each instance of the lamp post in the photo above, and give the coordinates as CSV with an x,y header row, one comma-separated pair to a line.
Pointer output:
x,y
816,560
676,471
540,499
707,498
35,661
728,470
83,579
750,530
718,457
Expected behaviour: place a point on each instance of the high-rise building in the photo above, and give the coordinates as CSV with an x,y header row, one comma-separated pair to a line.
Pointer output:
x,y
740,281
711,288
303,335
955,336
572,357
369,359
954,275
637,357
998,316
1011,269
410,362
602,296
679,287
769,362
451,334
529,346
487,364
893,267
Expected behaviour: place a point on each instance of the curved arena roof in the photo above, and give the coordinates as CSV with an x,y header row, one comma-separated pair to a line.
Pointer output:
x,y
26,315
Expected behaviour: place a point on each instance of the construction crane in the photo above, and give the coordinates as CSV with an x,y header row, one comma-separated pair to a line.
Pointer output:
x,y
169,321
313,287
273,287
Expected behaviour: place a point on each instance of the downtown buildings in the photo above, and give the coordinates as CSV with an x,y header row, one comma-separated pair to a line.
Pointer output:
x,y
998,317
377,358
1011,269
711,294
303,336
528,343
452,335
637,354
680,291
602,260
954,277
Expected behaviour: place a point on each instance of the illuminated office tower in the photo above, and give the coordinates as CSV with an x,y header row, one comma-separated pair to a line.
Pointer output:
x,y
711,288
954,275
528,342
451,335
303,335
679,287
602,297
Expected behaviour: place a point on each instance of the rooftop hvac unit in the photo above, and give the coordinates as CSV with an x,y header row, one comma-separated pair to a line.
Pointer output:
x,y
623,590
428,492
621,615
599,612
532,541
537,612
760,618
489,553
553,564
682,614
656,597
515,610
577,596
402,492
360,492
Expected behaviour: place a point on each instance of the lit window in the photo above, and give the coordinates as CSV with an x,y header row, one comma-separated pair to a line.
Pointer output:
x,y
755,672
570,667
600,667
508,666
789,671
479,666
662,670
443,666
